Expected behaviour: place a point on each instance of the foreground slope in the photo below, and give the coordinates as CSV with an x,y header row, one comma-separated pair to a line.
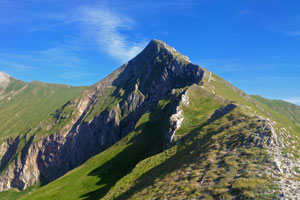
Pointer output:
x,y
197,137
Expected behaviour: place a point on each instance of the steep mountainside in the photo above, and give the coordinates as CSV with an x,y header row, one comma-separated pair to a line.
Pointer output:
x,y
159,127
23,108
25,105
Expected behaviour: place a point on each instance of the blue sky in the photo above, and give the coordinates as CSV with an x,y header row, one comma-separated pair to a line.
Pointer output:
x,y
252,44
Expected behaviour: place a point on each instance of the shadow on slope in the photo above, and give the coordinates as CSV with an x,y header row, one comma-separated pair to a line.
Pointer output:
x,y
146,141
183,154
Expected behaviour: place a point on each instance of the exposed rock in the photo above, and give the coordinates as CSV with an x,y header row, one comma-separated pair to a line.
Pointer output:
x,y
282,170
16,169
4,82
176,120
3,149
4,79
208,77
10,148
285,166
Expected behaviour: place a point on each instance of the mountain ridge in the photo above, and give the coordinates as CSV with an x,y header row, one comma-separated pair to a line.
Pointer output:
x,y
183,131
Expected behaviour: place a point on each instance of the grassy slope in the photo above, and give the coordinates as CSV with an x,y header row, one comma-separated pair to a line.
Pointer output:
x,y
94,179
97,176
255,106
34,103
205,164
176,173
14,194
108,176
287,109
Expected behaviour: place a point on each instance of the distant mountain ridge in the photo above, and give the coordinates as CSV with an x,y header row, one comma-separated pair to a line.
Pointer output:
x,y
158,127
290,110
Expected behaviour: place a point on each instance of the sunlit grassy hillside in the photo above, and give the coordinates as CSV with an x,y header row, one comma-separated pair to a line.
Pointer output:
x,y
26,105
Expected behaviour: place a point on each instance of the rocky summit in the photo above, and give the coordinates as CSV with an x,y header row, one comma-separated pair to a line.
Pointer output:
x,y
4,81
158,127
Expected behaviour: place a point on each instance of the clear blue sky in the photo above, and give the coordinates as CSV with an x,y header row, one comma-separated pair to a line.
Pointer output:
x,y
253,44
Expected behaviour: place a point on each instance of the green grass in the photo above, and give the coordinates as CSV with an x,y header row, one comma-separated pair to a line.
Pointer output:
x,y
287,109
34,103
107,100
278,111
14,194
26,107
201,107
284,114
136,167
203,157
94,179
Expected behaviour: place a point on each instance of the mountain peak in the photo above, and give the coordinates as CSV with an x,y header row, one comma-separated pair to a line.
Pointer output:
x,y
4,78
4,81
158,42
159,46
3,73
158,69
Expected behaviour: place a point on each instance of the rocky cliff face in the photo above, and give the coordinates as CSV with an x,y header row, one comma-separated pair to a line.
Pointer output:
x,y
284,165
137,86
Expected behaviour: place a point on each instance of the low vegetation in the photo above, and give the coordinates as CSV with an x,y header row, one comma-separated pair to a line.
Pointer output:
x,y
212,160
29,104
